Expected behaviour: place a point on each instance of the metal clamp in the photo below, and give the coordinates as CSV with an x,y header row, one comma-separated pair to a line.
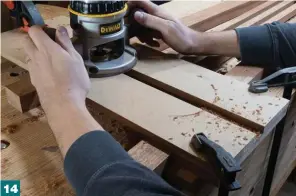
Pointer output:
x,y
283,77
225,165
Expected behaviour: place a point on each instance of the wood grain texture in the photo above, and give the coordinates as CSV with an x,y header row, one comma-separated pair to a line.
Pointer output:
x,y
22,95
284,15
181,9
218,14
33,156
231,24
149,156
268,14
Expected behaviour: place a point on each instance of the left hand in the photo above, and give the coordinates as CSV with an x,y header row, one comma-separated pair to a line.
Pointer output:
x,y
56,69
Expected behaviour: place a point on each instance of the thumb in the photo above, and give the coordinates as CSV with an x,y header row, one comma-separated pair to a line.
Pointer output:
x,y
150,21
63,39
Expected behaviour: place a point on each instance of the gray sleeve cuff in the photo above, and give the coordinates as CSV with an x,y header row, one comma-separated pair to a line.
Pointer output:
x,y
272,45
256,45
88,154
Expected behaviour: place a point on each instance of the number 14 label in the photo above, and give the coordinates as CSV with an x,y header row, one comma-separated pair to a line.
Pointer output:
x,y
10,187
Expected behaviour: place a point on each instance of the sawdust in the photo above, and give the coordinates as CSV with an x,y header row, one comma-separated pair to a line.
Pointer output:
x,y
10,129
116,129
13,128
55,185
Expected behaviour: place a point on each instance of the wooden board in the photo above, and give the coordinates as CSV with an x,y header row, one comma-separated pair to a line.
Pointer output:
x,y
231,24
22,95
268,14
196,85
149,156
284,15
218,14
154,113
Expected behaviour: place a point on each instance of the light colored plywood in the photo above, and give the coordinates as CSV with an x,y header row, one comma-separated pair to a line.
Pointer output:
x,y
159,115
208,89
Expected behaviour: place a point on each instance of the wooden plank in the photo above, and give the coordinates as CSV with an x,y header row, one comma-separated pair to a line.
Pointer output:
x,y
287,156
268,14
218,14
22,95
245,73
284,15
181,9
159,115
222,95
231,24
149,156
292,20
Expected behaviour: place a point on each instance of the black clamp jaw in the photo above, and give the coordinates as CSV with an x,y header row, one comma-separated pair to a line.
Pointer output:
x,y
284,77
225,165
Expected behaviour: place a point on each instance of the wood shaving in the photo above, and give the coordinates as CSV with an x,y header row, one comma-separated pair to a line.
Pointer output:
x,y
10,129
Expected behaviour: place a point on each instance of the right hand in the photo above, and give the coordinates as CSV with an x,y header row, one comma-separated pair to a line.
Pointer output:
x,y
173,32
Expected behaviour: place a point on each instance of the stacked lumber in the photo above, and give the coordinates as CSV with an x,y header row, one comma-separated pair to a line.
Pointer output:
x,y
166,99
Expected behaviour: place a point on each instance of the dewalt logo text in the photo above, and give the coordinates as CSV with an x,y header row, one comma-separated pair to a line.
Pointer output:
x,y
110,28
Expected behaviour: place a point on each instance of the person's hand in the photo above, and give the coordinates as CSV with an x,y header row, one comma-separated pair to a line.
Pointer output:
x,y
56,69
173,32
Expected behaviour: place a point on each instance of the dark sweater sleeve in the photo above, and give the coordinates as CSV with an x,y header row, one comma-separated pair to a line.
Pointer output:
x,y
96,164
268,45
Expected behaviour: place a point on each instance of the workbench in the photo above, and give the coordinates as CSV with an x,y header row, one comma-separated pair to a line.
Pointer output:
x,y
33,155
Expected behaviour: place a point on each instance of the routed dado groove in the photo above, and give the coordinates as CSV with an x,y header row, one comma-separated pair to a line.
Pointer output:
x,y
155,113
206,88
